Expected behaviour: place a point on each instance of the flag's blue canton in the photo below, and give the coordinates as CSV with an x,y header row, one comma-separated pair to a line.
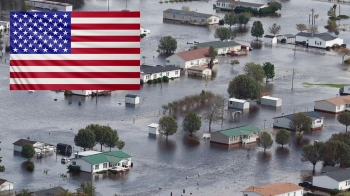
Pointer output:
x,y
40,32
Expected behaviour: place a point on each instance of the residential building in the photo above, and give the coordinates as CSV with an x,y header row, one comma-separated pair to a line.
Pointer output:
x,y
333,180
285,120
328,169
113,160
333,105
6,185
153,129
199,71
243,134
222,47
238,103
51,191
346,90
226,5
38,146
191,17
271,101
86,153
275,189
187,59
288,37
318,40
50,5
270,39
132,99
153,72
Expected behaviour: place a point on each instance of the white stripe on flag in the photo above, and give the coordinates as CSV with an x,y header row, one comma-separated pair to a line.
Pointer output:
x,y
74,69
74,57
105,32
105,45
105,20
74,81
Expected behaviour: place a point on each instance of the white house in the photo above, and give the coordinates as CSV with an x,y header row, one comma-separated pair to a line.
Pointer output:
x,y
144,31
238,103
153,72
288,37
87,92
318,40
199,71
271,39
275,189
333,180
284,120
50,5
333,105
187,59
271,101
191,17
222,47
346,90
113,160
243,134
226,5
6,185
38,146
85,153
153,129
4,24
132,99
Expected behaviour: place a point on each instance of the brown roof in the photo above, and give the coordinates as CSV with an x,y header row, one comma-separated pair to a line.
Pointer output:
x,y
274,189
341,100
22,142
2,181
194,54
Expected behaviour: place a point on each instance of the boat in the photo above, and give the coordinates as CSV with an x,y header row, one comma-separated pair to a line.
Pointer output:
x,y
31,91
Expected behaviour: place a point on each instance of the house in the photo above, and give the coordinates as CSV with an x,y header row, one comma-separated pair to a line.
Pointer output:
x,y
290,38
38,146
333,180
64,148
333,105
238,103
275,189
153,72
144,31
4,25
50,5
226,5
284,120
132,99
87,93
6,185
318,40
199,71
191,17
222,47
86,153
153,129
328,169
187,59
243,134
113,160
271,39
51,191
346,90
271,101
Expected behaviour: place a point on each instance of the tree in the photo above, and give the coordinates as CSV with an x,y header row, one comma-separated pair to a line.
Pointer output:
x,y
230,19
213,111
168,125
331,12
274,5
243,18
344,118
233,4
256,71
265,140
331,26
28,151
257,29
335,152
2,168
282,137
120,144
275,29
243,87
301,122
185,8
100,133
313,30
269,70
312,153
343,52
301,27
167,45
223,33
85,138
212,54
24,192
87,188
342,137
111,139
191,123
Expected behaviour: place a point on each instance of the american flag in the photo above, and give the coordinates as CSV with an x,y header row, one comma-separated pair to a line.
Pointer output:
x,y
75,50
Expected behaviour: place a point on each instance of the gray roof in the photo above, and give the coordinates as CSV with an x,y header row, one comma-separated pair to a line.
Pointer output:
x,y
158,69
217,44
310,114
288,35
269,36
131,96
328,169
339,175
23,142
49,192
242,3
323,36
188,13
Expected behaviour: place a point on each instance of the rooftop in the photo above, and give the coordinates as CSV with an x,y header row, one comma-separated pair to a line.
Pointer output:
x,y
274,189
112,156
2,181
51,2
50,191
88,153
189,13
339,175
242,3
23,142
268,97
310,114
154,125
341,100
217,44
243,130
328,169
131,96
323,36
238,100
286,35
193,54
147,69
269,36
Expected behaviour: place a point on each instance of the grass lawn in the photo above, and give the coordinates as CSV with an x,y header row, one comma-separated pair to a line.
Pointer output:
x,y
344,194
306,84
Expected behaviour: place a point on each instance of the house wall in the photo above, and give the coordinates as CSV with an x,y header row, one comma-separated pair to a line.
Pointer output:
x,y
317,42
236,48
281,122
347,89
49,6
196,62
317,122
325,182
249,139
6,186
84,166
344,185
270,40
175,60
82,92
297,193
179,17
132,100
153,130
250,194
218,137
223,5
335,41
300,38
238,105
100,167
170,74
17,148
324,105
213,20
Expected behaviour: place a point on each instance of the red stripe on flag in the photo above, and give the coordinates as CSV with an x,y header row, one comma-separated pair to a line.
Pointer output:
x,y
105,50
105,38
75,62
105,26
74,74
106,14
74,86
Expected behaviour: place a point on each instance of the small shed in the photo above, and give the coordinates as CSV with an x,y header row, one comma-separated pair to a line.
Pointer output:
x,y
290,38
153,129
270,39
271,101
199,71
64,148
238,103
132,99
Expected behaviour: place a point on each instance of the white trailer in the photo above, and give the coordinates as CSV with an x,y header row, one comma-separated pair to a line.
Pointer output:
x,y
50,5
238,103
132,99
271,101
153,129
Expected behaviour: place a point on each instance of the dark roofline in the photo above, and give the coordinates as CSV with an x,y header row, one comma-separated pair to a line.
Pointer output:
x,y
22,142
307,113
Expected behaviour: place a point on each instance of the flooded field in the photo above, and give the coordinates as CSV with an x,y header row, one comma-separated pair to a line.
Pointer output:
x,y
161,167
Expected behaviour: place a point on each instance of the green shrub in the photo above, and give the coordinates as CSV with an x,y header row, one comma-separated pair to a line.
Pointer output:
x,y
165,1
343,45
74,168
171,1
101,172
155,81
266,10
68,92
141,82
335,46
114,171
335,191
176,0
239,9
149,81
159,80
334,18
132,164
347,61
343,16
328,48
165,79
221,22
2,168
30,166
160,1
283,40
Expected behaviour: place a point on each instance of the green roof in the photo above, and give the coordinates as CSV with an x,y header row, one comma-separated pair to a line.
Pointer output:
x,y
96,158
217,44
244,130
119,154
113,156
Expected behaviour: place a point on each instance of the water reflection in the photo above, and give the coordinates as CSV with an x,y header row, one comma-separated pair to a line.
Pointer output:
x,y
166,145
256,44
190,141
282,153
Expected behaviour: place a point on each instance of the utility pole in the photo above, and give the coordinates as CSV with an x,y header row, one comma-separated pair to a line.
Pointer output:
x,y
222,111
161,77
293,78
96,96
126,7
108,4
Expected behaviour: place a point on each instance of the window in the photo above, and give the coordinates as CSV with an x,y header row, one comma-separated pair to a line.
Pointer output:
x,y
316,42
338,107
318,121
202,20
245,195
104,165
97,166
176,72
174,16
147,77
231,139
168,61
167,73
183,17
295,194
191,62
74,163
154,76
160,75
230,102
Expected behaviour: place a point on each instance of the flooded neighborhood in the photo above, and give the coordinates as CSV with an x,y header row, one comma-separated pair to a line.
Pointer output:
x,y
184,164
